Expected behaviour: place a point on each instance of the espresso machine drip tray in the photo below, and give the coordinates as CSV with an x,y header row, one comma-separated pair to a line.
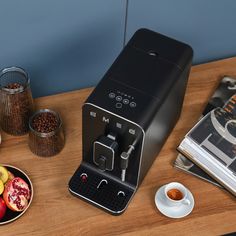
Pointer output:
x,y
93,187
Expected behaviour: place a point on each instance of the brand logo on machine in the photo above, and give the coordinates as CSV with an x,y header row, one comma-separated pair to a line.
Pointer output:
x,y
119,125
132,131
104,119
93,114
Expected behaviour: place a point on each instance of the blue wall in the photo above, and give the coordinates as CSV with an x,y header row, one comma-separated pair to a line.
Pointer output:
x,y
63,44
207,25
69,44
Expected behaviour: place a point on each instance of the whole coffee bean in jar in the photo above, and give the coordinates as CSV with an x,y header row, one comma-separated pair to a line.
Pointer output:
x,y
16,102
46,137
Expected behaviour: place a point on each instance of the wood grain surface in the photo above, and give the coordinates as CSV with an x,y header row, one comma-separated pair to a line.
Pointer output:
x,y
54,211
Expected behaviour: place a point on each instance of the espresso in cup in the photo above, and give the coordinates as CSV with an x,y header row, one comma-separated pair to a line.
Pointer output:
x,y
176,194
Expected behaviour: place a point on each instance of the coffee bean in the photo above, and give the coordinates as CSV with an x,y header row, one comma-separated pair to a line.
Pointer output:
x,y
13,86
45,122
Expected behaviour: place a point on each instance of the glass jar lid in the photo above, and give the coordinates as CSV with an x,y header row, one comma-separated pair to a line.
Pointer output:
x,y
14,80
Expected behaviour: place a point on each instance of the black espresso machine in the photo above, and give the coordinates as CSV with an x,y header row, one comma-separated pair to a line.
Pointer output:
x,y
128,117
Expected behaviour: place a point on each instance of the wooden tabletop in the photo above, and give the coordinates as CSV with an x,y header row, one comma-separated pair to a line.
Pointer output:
x,y
54,211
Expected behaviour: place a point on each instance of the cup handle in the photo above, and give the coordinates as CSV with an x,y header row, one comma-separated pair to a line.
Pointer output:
x,y
186,202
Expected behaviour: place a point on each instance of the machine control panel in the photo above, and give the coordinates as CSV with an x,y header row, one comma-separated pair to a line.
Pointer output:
x,y
122,99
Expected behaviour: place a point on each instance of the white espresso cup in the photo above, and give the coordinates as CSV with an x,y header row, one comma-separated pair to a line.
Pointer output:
x,y
176,194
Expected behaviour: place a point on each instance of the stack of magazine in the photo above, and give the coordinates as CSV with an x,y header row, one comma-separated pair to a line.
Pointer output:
x,y
208,150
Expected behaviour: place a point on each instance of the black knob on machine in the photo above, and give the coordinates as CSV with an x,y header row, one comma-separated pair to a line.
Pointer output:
x,y
104,151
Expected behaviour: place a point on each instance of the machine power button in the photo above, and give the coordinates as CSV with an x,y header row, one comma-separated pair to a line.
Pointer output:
x,y
118,98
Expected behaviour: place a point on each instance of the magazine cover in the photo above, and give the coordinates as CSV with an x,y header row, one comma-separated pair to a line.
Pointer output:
x,y
211,144
222,97
216,134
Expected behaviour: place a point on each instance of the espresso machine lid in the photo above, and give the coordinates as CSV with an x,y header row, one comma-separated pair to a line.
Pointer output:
x,y
169,49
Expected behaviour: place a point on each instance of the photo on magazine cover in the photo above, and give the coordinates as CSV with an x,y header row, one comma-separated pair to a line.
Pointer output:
x,y
225,90
216,134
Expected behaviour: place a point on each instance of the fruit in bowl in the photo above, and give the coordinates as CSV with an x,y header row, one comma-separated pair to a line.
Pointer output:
x,y
16,194
3,208
10,176
1,187
3,174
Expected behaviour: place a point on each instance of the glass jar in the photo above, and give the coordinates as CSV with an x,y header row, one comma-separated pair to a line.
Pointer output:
x,y
46,136
16,102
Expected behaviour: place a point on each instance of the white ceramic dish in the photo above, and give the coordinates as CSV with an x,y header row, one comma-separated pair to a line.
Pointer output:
x,y
173,211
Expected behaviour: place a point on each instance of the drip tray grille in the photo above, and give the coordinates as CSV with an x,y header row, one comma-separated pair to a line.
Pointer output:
x,y
99,190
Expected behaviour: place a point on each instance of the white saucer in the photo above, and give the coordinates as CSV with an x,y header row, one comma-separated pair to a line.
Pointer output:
x,y
173,211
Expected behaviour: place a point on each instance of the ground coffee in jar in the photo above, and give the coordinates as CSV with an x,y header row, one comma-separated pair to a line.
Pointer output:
x,y
46,137
16,103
